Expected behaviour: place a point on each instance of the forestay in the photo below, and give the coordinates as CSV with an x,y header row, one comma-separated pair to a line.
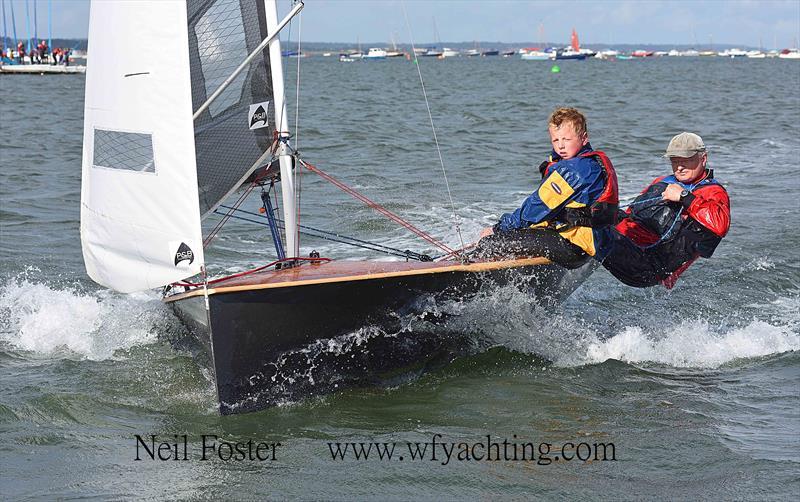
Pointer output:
x,y
150,172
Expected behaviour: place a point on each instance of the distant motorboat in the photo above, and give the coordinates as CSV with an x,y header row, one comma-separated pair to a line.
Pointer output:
x,y
570,54
642,53
509,53
490,52
733,53
756,55
536,55
449,53
607,54
472,53
789,54
345,58
432,53
690,53
375,53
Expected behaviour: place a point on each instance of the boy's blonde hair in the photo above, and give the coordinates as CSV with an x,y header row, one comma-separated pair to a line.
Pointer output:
x,y
561,115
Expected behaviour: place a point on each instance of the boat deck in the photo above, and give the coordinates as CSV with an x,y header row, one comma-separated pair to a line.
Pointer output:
x,y
341,271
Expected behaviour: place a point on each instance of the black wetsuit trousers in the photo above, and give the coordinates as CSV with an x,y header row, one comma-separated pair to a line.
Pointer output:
x,y
634,265
531,242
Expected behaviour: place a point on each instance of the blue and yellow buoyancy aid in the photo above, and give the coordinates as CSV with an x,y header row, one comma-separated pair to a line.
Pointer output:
x,y
577,197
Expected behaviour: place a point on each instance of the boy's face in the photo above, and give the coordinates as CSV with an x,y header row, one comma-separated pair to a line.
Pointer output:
x,y
566,142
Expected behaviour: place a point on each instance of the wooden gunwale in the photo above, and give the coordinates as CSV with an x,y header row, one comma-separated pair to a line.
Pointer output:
x,y
347,271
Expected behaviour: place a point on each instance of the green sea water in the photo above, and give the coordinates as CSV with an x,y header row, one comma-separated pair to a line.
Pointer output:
x,y
696,388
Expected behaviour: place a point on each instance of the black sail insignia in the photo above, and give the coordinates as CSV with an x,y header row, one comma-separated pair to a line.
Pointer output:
x,y
259,116
184,253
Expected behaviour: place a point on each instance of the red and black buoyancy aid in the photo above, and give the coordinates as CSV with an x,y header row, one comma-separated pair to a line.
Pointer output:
x,y
680,238
603,211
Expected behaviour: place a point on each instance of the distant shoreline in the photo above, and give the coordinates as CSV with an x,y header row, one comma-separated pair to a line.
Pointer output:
x,y
310,47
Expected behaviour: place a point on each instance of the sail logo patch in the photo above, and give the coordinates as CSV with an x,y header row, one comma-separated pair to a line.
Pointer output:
x,y
258,116
184,253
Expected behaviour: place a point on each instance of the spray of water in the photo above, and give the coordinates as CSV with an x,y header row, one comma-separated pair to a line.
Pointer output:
x,y
50,321
64,321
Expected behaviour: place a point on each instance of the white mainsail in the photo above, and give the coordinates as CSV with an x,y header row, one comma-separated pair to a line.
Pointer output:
x,y
140,217
178,114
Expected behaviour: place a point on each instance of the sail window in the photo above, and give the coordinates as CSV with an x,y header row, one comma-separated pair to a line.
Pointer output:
x,y
222,47
123,150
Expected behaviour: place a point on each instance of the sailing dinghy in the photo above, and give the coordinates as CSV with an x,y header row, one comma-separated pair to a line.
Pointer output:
x,y
184,107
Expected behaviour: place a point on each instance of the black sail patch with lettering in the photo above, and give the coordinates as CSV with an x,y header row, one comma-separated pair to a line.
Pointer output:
x,y
184,253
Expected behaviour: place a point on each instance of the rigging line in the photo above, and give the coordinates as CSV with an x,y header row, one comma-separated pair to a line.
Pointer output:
x,y
298,177
323,235
374,205
433,128
297,83
210,237
344,239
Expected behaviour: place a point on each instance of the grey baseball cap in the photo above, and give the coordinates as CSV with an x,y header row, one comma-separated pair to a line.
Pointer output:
x,y
685,144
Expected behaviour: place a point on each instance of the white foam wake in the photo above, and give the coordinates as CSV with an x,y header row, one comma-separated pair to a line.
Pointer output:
x,y
65,322
692,344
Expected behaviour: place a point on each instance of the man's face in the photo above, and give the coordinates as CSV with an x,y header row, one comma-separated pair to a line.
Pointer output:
x,y
689,169
566,142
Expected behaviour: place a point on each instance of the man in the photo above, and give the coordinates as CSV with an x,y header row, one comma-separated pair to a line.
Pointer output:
x,y
568,217
674,221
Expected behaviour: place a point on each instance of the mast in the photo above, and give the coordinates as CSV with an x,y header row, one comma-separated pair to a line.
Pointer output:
x,y
5,28
50,25
28,26
541,36
282,128
13,26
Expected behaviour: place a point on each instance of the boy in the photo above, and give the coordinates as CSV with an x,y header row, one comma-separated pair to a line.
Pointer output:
x,y
569,215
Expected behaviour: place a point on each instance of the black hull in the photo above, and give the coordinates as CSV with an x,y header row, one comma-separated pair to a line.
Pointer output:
x,y
259,339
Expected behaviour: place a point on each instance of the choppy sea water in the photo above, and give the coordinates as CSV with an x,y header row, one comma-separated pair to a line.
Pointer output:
x,y
697,388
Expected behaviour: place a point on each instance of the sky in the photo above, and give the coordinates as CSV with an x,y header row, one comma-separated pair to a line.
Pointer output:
x,y
767,23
